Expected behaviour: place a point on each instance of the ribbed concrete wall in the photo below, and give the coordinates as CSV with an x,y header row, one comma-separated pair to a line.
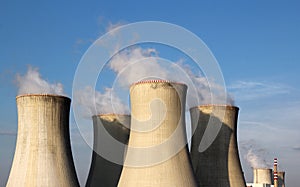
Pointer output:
x,y
281,179
157,111
104,172
43,152
219,165
262,175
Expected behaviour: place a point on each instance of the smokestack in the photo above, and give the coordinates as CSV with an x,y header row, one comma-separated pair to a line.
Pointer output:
x,y
275,173
157,152
43,154
281,180
104,172
262,176
219,164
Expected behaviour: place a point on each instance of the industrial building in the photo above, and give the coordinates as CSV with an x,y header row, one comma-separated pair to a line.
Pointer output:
x,y
43,154
219,164
154,156
105,172
266,177
262,175
157,153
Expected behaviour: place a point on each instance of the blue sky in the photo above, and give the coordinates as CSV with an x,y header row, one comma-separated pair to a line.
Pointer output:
x,y
255,42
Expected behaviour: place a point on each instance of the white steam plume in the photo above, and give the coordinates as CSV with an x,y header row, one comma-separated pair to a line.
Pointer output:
x,y
32,83
255,155
108,101
205,89
93,102
134,64
255,160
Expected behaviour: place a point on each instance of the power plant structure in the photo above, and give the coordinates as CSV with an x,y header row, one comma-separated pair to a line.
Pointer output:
x,y
43,154
155,156
147,148
262,176
104,172
266,177
275,173
281,178
219,164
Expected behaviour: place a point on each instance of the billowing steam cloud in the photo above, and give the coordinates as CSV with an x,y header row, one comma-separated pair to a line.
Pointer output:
x,y
94,102
205,89
135,64
255,155
122,64
32,83
254,160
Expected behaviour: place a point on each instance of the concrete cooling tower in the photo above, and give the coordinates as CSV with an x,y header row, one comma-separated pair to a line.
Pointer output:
x,y
104,172
281,180
157,154
219,164
43,152
262,176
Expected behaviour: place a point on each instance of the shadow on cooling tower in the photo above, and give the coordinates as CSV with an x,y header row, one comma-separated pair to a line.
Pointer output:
x,y
219,164
104,173
210,157
281,179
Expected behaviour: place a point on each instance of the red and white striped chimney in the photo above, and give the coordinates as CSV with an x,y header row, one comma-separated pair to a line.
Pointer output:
x,y
275,173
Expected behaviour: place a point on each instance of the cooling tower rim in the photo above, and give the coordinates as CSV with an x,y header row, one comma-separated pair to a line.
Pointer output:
x,y
262,168
110,114
157,81
280,171
232,107
114,115
42,95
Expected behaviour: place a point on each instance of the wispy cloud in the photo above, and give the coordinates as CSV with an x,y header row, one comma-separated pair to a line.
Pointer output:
x,y
296,148
251,90
8,133
81,44
111,26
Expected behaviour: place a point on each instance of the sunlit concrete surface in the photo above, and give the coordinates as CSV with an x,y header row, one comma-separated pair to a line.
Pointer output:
x,y
157,110
43,152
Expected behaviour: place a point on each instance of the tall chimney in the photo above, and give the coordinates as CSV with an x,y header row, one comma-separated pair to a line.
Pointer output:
x,y
262,176
43,154
104,172
281,179
157,152
275,173
219,164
